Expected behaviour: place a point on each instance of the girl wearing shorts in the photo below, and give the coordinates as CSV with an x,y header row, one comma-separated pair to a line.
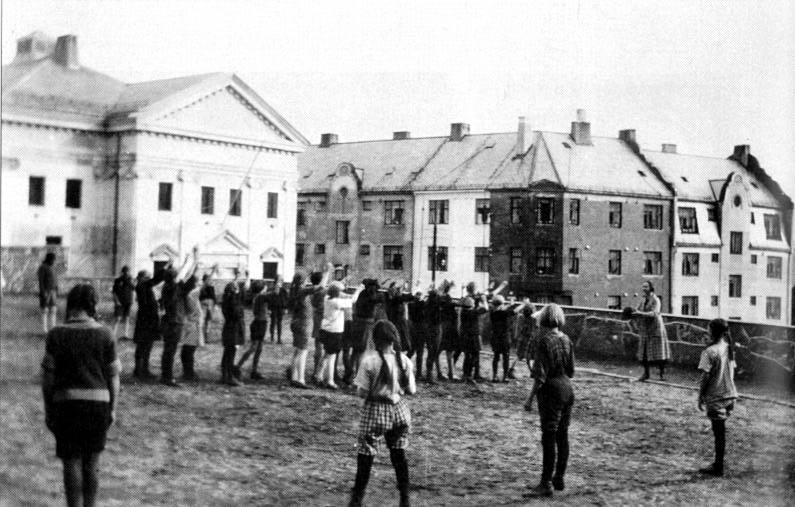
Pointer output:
x,y
717,391
331,329
383,378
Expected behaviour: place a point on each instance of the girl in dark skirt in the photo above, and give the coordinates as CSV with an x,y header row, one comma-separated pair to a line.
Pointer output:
x,y
384,377
147,322
80,388
553,366
233,333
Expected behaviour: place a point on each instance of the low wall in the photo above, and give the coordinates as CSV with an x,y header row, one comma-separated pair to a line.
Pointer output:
x,y
761,349
19,266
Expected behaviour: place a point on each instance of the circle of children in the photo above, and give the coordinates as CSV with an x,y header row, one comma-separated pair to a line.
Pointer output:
x,y
344,321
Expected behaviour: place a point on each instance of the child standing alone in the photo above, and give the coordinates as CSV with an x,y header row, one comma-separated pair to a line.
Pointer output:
x,y
717,391
384,377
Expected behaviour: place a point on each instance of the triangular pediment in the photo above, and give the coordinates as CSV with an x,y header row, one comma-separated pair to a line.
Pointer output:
x,y
221,113
225,243
163,252
270,254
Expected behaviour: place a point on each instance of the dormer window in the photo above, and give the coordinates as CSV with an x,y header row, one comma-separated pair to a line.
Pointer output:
x,y
688,224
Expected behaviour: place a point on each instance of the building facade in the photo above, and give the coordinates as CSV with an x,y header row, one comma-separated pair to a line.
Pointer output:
x,y
567,217
136,174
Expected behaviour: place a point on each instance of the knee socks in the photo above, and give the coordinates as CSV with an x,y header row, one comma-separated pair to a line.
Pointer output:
x,y
562,441
719,430
364,463
548,445
401,465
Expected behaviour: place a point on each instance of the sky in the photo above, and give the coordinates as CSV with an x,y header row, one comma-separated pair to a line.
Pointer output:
x,y
704,75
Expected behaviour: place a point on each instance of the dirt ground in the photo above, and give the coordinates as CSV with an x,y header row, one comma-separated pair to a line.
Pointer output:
x,y
268,444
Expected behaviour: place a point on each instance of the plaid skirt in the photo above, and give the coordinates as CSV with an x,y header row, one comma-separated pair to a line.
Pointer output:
x,y
378,419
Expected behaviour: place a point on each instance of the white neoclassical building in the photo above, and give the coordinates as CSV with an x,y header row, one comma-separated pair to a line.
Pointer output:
x,y
131,174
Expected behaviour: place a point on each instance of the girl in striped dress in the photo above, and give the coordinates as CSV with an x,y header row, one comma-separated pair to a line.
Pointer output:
x,y
384,377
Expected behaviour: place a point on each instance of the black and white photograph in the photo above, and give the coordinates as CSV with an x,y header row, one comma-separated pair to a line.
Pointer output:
x,y
370,253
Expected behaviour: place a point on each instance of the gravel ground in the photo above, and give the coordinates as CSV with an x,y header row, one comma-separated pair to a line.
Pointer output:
x,y
267,444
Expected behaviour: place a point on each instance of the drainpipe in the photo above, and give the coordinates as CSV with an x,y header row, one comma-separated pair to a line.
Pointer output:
x,y
117,176
672,251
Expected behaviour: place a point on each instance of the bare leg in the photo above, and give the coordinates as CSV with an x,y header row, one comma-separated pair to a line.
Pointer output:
x,y
450,365
302,365
116,322
53,316
73,481
127,327
44,320
90,479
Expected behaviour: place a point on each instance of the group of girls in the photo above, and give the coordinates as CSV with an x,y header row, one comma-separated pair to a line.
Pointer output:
x,y
187,310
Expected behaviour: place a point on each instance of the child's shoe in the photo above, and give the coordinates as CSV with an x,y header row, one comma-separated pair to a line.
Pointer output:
x,y
713,469
558,484
543,489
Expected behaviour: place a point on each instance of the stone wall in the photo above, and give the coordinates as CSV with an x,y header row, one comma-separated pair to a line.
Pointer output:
x,y
762,350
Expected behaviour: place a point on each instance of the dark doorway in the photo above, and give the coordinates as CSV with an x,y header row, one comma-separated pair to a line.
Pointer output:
x,y
270,270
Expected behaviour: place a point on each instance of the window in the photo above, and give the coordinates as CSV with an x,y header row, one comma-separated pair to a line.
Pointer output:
x,y
614,215
482,211
74,193
164,196
440,258
574,261
773,310
481,259
652,216
438,212
340,272
320,205
393,258
300,251
687,221
574,212
735,286
300,217
715,257
367,205
273,205
652,263
614,262
364,250
614,302
516,210
753,218
545,261
689,305
690,264
36,191
208,201
235,202
753,301
393,212
545,211
713,300
773,226
736,242
53,240
774,267
320,249
515,266
342,232
712,215
753,259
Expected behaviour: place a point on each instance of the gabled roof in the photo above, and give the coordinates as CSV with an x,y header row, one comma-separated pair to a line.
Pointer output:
x,y
608,165
699,178
42,89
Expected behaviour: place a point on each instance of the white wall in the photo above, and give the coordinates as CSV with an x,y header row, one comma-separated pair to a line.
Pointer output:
x,y
461,235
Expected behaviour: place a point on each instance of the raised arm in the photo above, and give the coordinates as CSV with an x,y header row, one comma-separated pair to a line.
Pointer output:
x,y
326,274
499,288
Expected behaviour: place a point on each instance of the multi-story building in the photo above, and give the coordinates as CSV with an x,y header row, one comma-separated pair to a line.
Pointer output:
x,y
566,217
132,174
731,237
588,226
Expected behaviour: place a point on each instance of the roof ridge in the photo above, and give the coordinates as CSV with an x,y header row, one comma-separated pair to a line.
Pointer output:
x,y
729,159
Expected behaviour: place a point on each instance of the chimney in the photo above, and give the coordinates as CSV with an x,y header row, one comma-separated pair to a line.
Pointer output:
x,y
458,131
66,51
581,129
668,148
741,154
629,137
327,140
524,137
401,135
34,46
